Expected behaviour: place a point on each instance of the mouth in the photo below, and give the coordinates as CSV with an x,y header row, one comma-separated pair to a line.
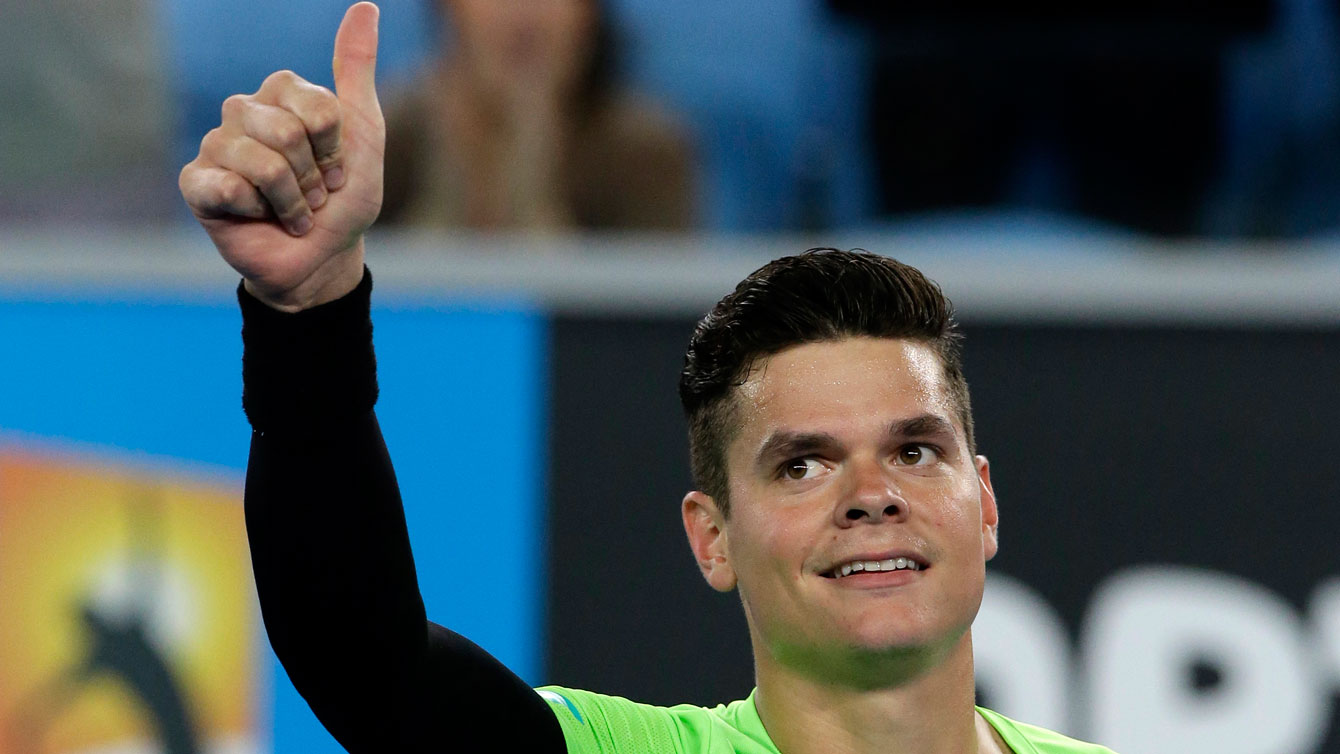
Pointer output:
x,y
864,565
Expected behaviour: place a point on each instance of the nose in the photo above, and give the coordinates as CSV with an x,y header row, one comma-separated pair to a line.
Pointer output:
x,y
872,498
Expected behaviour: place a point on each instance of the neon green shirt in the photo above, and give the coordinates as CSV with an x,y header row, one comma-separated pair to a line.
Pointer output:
x,y
600,724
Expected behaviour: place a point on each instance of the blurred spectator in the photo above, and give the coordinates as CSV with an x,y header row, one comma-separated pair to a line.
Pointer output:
x,y
520,126
85,123
1110,109
1279,175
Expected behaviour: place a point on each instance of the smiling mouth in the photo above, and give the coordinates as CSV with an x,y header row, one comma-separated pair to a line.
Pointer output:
x,y
872,566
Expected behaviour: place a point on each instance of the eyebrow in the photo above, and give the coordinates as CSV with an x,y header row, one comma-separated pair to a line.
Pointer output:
x,y
926,425
785,444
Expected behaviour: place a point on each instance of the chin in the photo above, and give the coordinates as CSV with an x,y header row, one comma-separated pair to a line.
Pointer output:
x,y
881,636
891,640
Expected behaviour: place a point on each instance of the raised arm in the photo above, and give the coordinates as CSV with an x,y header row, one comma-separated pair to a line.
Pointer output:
x,y
285,187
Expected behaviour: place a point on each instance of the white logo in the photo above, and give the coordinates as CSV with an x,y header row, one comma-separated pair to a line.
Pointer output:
x,y
1146,629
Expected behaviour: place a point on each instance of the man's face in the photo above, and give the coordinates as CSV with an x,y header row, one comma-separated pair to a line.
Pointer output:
x,y
848,452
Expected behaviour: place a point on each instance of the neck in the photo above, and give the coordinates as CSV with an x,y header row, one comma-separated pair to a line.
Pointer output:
x,y
926,707
469,101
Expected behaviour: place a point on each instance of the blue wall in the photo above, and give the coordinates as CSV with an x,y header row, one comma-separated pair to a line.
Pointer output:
x,y
462,410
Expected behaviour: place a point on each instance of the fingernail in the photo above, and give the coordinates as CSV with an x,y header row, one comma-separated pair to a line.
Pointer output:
x,y
316,197
302,225
334,178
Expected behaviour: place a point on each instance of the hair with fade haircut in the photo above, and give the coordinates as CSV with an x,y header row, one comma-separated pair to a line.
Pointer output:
x,y
822,294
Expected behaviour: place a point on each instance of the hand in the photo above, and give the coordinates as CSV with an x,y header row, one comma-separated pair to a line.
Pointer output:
x,y
291,179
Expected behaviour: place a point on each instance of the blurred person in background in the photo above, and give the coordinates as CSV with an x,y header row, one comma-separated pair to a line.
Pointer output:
x,y
86,122
1111,110
521,126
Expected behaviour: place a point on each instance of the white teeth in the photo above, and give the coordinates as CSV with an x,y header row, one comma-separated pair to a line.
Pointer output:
x,y
892,564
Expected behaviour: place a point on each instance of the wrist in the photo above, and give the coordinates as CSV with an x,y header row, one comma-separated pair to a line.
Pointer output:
x,y
333,279
310,368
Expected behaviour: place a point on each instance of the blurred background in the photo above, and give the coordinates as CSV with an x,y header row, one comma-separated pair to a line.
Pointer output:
x,y
1133,205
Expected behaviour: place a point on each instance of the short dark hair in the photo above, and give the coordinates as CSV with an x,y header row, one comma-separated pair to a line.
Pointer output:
x,y
821,295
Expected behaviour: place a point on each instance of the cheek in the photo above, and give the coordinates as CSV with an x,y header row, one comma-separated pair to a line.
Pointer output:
x,y
767,562
953,507
767,544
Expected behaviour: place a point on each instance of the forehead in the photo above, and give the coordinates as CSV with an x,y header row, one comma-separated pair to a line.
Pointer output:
x,y
841,385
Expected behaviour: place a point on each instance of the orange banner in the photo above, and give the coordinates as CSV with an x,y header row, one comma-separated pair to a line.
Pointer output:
x,y
128,617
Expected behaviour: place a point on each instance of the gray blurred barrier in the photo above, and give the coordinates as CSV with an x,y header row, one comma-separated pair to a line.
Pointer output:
x,y
1058,275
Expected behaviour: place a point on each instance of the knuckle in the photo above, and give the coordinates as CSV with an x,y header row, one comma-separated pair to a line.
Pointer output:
x,y
316,93
283,78
186,178
322,91
268,172
212,141
322,111
326,119
272,171
235,105
289,134
234,193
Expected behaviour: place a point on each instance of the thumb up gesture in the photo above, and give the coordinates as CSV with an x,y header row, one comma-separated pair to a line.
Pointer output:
x,y
292,177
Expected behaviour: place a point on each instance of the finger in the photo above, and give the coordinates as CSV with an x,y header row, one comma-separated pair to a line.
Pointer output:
x,y
285,133
319,110
263,168
355,62
213,192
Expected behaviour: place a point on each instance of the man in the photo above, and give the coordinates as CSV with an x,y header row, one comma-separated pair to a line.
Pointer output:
x,y
831,439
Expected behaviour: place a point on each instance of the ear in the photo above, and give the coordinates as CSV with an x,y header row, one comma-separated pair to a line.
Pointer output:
x,y
990,516
706,528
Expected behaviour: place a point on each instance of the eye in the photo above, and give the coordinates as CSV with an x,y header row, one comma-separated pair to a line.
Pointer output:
x,y
917,455
801,468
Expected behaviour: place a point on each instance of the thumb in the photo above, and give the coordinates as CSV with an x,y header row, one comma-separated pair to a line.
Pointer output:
x,y
355,61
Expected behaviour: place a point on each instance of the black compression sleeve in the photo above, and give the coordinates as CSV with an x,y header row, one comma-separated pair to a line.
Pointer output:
x,y
331,555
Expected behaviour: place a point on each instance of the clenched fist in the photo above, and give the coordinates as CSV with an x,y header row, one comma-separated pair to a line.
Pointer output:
x,y
292,177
